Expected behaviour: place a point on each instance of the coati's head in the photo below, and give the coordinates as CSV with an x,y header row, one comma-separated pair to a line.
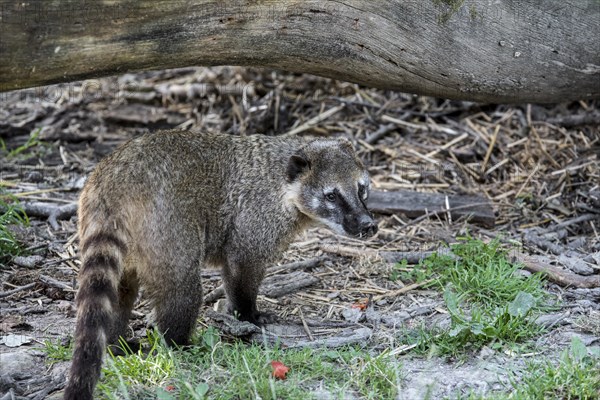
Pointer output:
x,y
330,185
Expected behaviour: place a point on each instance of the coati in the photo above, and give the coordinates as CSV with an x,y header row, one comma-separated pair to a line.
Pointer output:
x,y
164,205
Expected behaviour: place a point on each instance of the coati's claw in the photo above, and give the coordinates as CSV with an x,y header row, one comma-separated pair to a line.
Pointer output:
x,y
257,318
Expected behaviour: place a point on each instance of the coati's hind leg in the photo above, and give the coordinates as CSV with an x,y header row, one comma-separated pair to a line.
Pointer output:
x,y
177,304
242,281
127,291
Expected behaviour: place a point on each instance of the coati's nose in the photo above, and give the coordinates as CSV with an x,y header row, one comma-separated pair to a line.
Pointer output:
x,y
367,226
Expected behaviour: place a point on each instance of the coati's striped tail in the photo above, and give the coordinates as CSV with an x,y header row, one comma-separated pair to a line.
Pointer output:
x,y
97,301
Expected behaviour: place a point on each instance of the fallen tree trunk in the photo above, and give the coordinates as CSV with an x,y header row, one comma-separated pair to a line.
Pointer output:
x,y
476,209
508,51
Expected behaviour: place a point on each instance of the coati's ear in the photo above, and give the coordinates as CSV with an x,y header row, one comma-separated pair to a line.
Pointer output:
x,y
297,165
346,145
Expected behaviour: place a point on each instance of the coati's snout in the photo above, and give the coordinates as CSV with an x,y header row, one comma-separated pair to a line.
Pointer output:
x,y
330,185
361,225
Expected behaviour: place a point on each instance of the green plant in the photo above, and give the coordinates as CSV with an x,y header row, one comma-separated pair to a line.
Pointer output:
x,y
11,214
486,325
32,141
488,301
482,272
423,271
56,352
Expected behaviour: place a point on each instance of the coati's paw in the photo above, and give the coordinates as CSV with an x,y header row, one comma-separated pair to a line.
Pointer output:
x,y
256,317
264,318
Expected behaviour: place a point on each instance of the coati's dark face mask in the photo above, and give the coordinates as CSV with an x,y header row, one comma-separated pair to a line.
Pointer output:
x,y
330,185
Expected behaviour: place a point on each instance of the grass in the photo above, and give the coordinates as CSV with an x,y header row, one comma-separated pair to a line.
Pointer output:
x,y
451,7
213,369
138,370
573,377
10,214
481,271
57,352
576,376
219,370
32,141
10,211
489,302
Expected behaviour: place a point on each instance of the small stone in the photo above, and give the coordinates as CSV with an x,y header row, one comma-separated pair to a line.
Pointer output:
x,y
395,319
28,261
486,352
64,305
517,54
523,273
372,316
502,43
401,315
352,314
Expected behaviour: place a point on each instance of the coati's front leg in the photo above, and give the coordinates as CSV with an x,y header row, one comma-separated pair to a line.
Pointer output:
x,y
242,280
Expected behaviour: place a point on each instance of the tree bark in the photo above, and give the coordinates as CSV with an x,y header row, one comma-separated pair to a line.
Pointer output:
x,y
481,50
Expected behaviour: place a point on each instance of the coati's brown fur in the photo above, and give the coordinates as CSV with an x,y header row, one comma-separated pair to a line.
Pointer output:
x,y
165,204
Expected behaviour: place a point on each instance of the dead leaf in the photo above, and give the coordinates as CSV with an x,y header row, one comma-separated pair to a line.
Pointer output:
x,y
361,305
279,369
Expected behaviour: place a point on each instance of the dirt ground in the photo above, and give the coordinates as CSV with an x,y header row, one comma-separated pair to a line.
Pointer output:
x,y
536,166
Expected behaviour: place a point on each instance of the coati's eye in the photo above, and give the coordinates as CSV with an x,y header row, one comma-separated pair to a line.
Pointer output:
x,y
330,196
362,192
